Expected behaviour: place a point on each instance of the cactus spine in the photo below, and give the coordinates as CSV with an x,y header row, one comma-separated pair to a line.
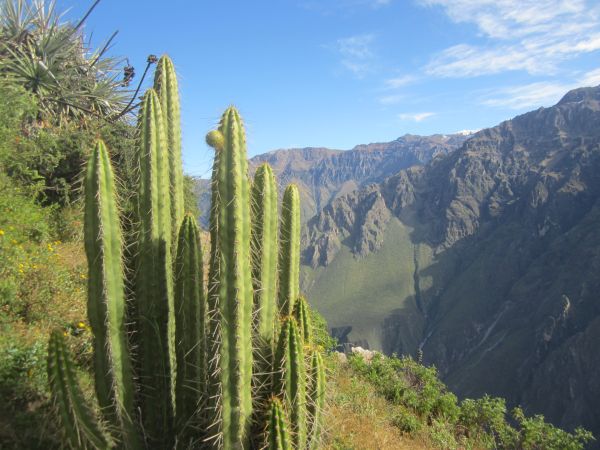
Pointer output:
x,y
165,85
194,382
277,430
106,294
289,263
190,324
230,288
264,250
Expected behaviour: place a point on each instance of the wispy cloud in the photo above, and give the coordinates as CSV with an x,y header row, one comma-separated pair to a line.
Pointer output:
x,y
530,35
392,99
395,83
416,117
356,53
537,94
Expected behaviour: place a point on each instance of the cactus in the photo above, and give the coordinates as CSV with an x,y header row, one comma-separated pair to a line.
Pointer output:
x,y
154,283
264,250
165,85
230,282
302,315
190,324
277,432
77,418
316,399
289,378
289,262
106,294
174,368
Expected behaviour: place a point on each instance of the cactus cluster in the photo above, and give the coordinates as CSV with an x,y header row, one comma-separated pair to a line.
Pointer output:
x,y
178,363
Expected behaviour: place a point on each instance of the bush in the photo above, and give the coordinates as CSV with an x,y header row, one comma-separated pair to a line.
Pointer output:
x,y
427,405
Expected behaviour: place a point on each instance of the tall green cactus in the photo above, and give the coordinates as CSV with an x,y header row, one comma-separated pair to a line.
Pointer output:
x,y
289,256
190,327
316,399
289,378
106,294
302,315
185,377
264,250
230,281
79,424
166,87
277,434
154,283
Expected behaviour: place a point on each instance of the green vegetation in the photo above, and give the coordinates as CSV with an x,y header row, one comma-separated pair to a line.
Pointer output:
x,y
421,407
267,382
160,392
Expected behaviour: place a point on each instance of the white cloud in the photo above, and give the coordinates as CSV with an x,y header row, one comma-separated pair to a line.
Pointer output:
x,y
416,117
535,36
356,53
391,99
537,94
395,83
591,78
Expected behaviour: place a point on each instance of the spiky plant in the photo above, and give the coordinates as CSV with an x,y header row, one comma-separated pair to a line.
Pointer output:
x,y
186,376
48,55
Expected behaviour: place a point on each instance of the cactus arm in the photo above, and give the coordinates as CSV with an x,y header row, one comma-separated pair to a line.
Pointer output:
x,y
289,262
106,296
277,431
302,316
289,378
316,399
154,283
165,85
264,250
190,312
79,424
231,283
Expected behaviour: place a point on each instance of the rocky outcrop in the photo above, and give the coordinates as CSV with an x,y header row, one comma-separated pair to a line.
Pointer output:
x,y
323,175
510,304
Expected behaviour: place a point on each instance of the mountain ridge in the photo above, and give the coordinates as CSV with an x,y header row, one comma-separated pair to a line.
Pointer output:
x,y
497,261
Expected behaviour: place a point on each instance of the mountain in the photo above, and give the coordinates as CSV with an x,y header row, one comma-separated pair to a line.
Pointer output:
x,y
323,174
487,259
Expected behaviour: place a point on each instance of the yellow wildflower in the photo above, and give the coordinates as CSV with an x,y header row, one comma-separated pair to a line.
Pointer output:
x,y
65,333
81,325
1,232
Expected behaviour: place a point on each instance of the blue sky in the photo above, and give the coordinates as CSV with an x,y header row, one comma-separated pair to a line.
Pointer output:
x,y
337,73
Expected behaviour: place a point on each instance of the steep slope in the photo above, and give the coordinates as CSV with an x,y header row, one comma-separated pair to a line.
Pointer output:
x,y
323,174
488,259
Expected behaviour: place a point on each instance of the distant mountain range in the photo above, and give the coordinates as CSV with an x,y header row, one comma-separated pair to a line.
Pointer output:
x,y
486,258
482,249
323,174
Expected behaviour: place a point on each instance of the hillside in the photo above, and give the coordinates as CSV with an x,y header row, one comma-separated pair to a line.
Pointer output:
x,y
486,259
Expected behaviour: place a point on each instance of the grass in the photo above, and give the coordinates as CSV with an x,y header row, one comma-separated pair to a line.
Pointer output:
x,y
364,292
359,418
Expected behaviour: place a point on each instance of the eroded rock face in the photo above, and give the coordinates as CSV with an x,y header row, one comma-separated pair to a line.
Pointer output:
x,y
511,303
323,175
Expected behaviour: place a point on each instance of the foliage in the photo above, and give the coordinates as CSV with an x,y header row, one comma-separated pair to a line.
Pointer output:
x,y
48,160
427,407
48,56
154,361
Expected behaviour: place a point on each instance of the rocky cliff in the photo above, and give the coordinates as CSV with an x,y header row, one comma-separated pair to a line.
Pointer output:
x,y
323,174
487,258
